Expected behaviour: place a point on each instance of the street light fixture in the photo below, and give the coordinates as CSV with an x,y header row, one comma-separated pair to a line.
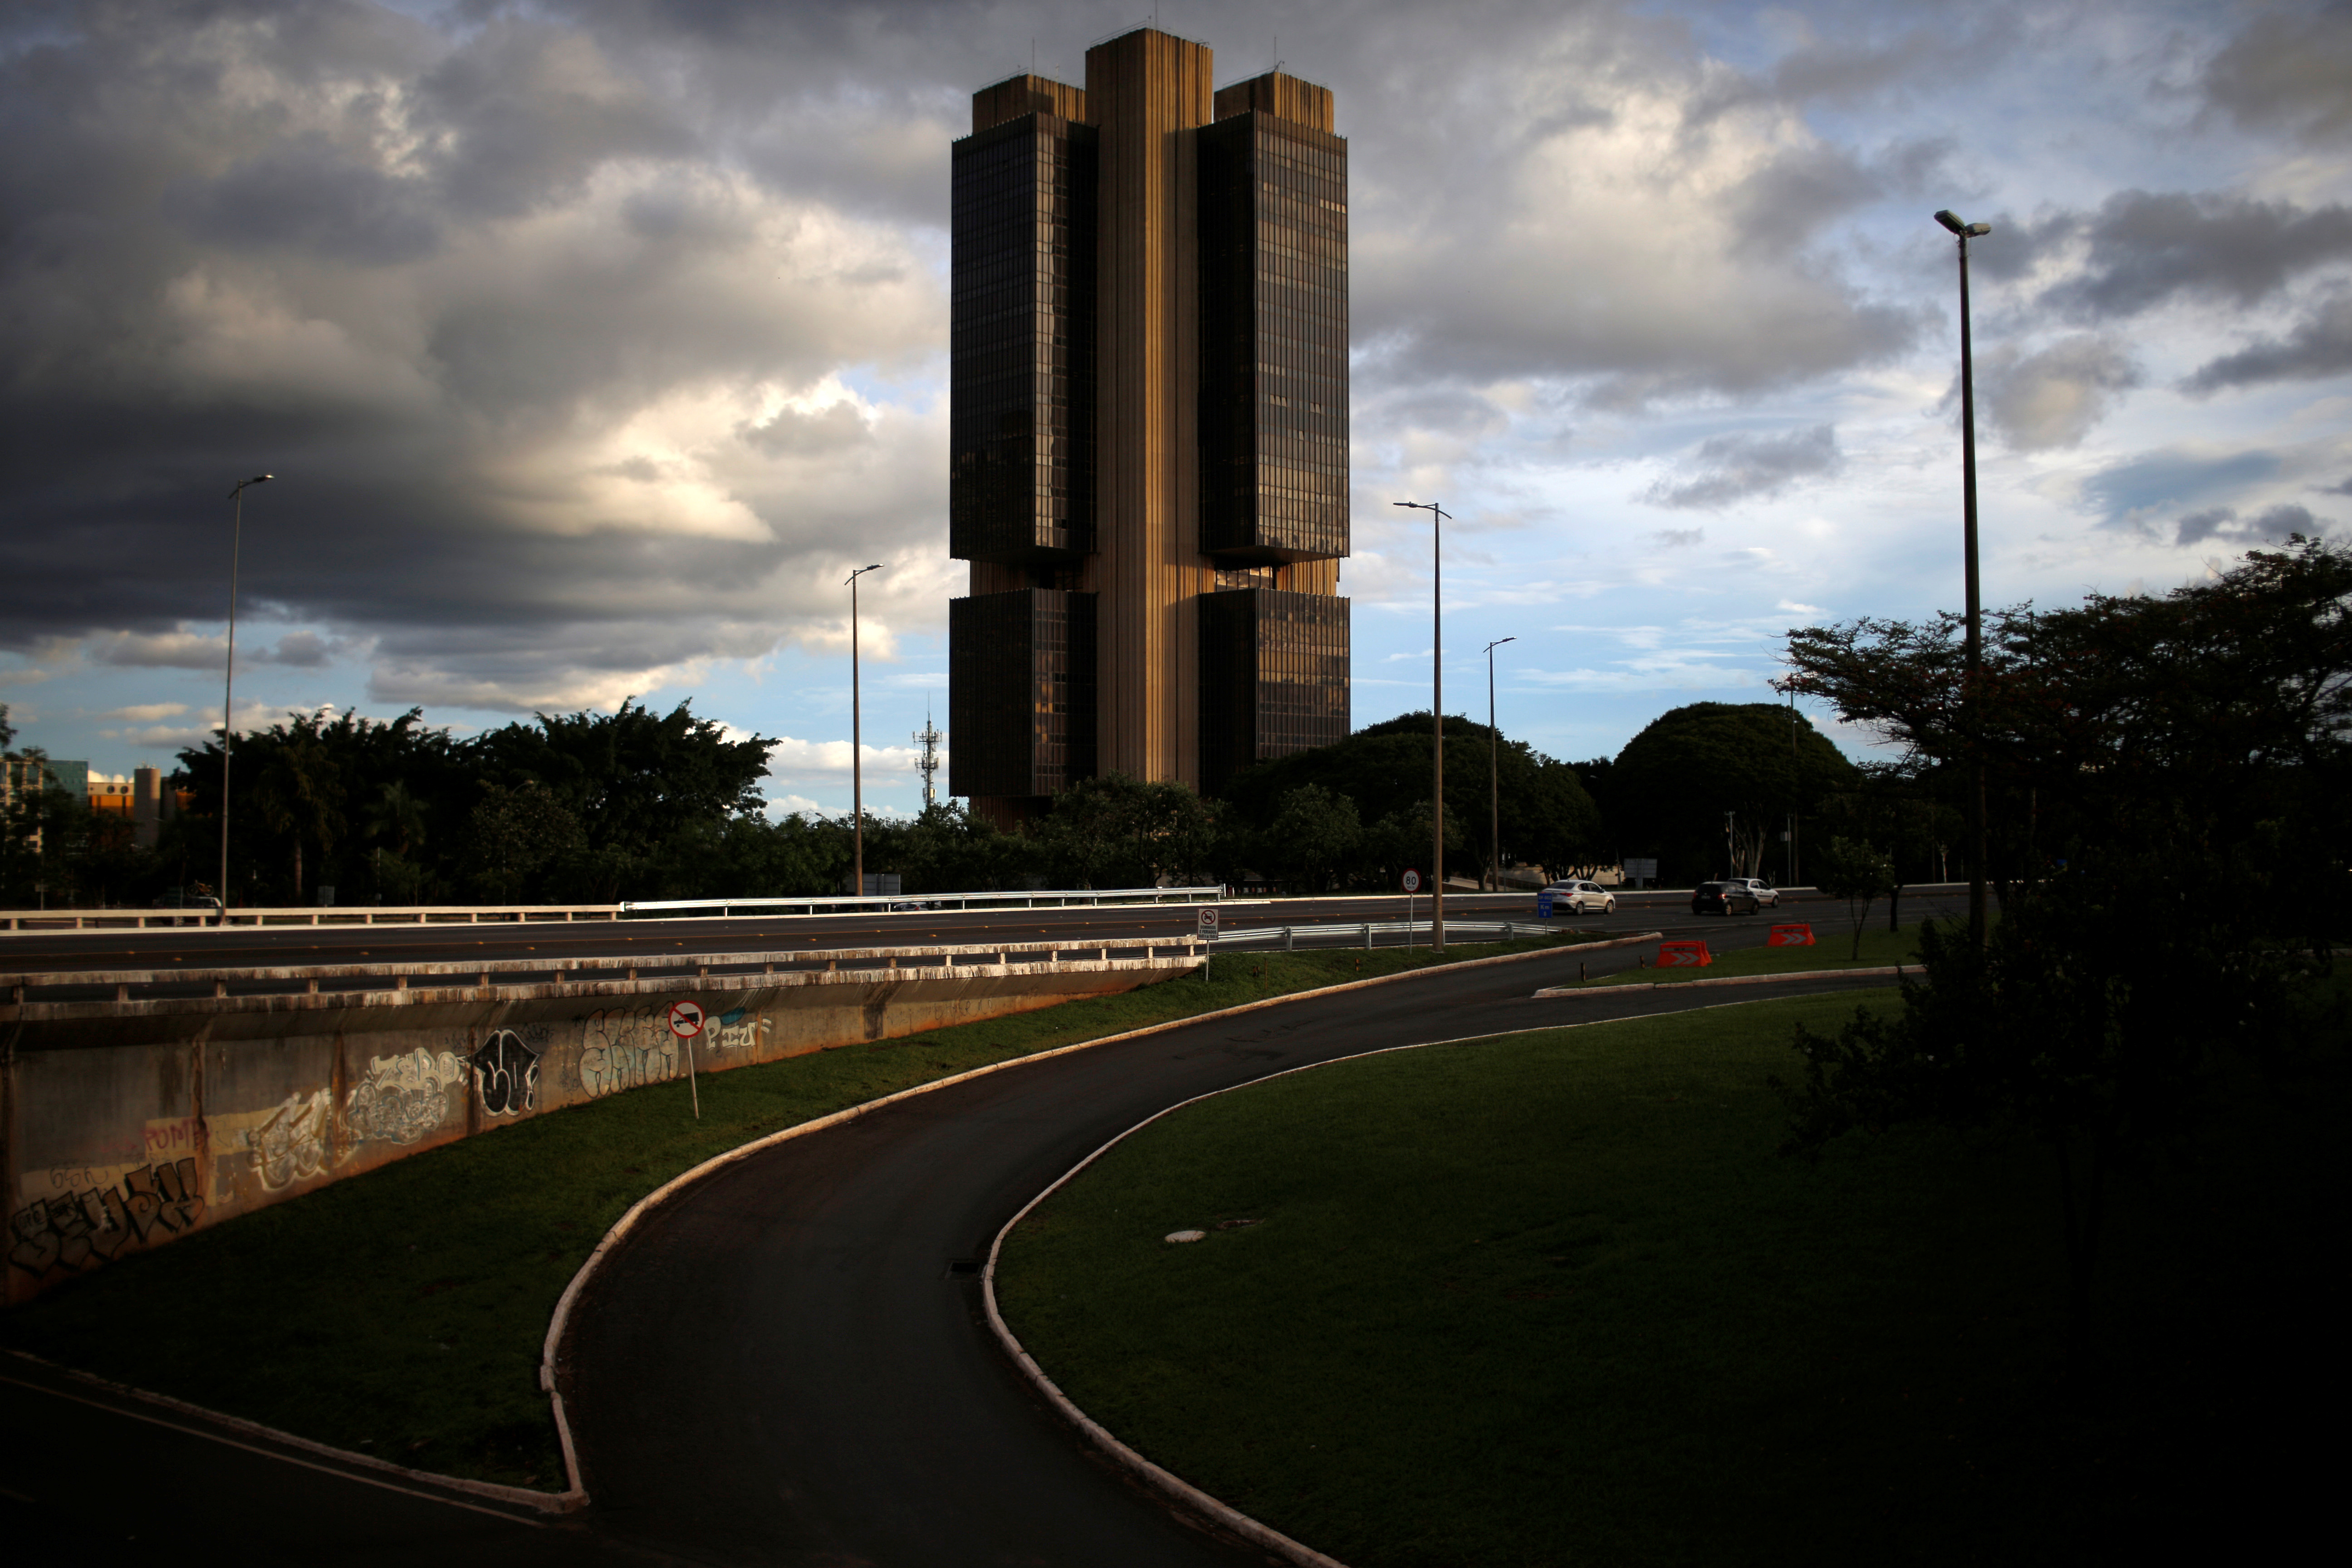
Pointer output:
x,y
1974,644
1493,768
1436,720
857,746
228,674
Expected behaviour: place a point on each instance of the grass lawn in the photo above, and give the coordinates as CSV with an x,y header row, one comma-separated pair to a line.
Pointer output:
x,y
1554,1299
1832,949
400,1313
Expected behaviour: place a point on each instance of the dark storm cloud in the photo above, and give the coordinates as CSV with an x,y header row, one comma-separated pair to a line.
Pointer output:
x,y
2128,493
2144,249
314,199
2289,71
2318,345
2271,526
1730,468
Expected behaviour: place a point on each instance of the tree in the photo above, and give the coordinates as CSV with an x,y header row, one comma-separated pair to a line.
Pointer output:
x,y
2171,846
1384,769
1120,832
1671,787
515,832
1315,832
1857,873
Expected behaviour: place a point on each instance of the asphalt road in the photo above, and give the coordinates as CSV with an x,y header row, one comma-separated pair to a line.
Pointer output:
x,y
788,1363
244,947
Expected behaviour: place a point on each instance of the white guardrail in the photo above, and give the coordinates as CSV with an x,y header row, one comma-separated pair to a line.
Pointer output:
x,y
518,914
1498,931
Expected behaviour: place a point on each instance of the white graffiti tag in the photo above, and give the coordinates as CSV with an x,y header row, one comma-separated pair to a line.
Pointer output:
x,y
291,1145
402,1098
621,1049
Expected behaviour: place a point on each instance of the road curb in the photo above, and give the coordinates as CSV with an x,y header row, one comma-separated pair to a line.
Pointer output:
x,y
1722,980
363,1467
549,1376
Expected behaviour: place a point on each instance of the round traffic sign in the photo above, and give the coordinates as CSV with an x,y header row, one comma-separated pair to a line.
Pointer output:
x,y
1208,917
1413,881
686,1019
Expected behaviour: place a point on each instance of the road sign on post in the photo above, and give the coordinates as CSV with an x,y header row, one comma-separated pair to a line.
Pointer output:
x,y
686,1022
1208,929
1543,905
1412,880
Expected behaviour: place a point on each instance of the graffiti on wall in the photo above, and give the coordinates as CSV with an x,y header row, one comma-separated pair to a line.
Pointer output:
x,y
85,1226
506,1072
625,1047
735,1031
291,1146
402,1098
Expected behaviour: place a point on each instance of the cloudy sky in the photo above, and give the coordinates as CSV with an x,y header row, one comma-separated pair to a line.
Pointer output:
x,y
593,342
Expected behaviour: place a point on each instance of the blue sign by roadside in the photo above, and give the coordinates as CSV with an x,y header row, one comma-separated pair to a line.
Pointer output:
x,y
1543,905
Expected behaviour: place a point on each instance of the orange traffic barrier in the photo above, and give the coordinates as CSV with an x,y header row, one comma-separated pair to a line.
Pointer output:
x,y
1790,936
1684,956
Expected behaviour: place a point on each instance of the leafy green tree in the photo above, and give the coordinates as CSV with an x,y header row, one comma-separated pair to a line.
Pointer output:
x,y
515,832
300,790
2168,773
1671,787
1547,817
1856,872
1314,834
1113,831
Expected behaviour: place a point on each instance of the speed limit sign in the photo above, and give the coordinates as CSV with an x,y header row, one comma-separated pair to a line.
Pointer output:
x,y
1413,881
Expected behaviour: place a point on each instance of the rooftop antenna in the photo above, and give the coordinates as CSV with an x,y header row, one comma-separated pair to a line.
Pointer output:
x,y
928,737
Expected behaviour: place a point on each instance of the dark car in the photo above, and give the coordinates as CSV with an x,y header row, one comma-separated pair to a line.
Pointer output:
x,y
1723,898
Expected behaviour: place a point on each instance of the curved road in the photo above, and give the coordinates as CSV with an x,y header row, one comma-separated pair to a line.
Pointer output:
x,y
788,1363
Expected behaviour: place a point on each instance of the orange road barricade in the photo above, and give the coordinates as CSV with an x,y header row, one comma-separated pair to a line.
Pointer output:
x,y
1684,956
1790,936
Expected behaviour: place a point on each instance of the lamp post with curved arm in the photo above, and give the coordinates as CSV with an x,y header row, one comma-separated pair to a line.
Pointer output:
x,y
1494,769
1974,644
856,748
1436,720
228,676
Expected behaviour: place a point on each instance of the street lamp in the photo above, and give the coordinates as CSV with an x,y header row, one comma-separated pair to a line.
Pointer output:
x,y
857,746
228,672
1436,720
1493,768
1974,646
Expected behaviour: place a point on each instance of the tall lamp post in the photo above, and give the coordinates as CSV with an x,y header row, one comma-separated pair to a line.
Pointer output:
x,y
1974,646
1493,768
228,674
856,747
1436,720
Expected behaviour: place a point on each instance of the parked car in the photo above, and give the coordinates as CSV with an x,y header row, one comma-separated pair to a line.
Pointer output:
x,y
1581,898
1766,893
1723,898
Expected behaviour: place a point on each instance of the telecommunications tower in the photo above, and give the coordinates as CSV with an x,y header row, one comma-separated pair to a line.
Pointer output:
x,y
928,738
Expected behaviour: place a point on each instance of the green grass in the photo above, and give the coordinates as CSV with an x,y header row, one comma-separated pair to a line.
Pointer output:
x,y
1554,1299
1832,949
401,1313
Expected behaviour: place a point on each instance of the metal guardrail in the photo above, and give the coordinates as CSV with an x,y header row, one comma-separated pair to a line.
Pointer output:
x,y
188,918
1023,898
348,984
1502,930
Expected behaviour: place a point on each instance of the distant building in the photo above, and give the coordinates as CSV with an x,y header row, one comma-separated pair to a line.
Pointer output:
x,y
1148,427
142,800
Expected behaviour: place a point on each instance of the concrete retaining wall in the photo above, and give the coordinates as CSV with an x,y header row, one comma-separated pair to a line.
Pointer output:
x,y
124,1126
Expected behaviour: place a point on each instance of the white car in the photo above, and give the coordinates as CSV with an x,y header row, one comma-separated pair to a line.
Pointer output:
x,y
1768,897
1581,898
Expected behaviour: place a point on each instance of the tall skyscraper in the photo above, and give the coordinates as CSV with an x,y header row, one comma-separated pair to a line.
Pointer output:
x,y
1148,428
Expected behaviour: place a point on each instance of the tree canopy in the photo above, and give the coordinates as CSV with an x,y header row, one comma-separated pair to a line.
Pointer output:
x,y
1668,791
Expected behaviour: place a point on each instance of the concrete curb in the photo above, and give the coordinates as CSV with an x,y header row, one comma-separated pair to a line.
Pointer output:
x,y
363,1467
1722,980
560,1321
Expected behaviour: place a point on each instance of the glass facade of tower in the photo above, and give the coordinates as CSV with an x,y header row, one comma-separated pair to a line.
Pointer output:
x,y
1274,677
1273,339
1021,486
1021,692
